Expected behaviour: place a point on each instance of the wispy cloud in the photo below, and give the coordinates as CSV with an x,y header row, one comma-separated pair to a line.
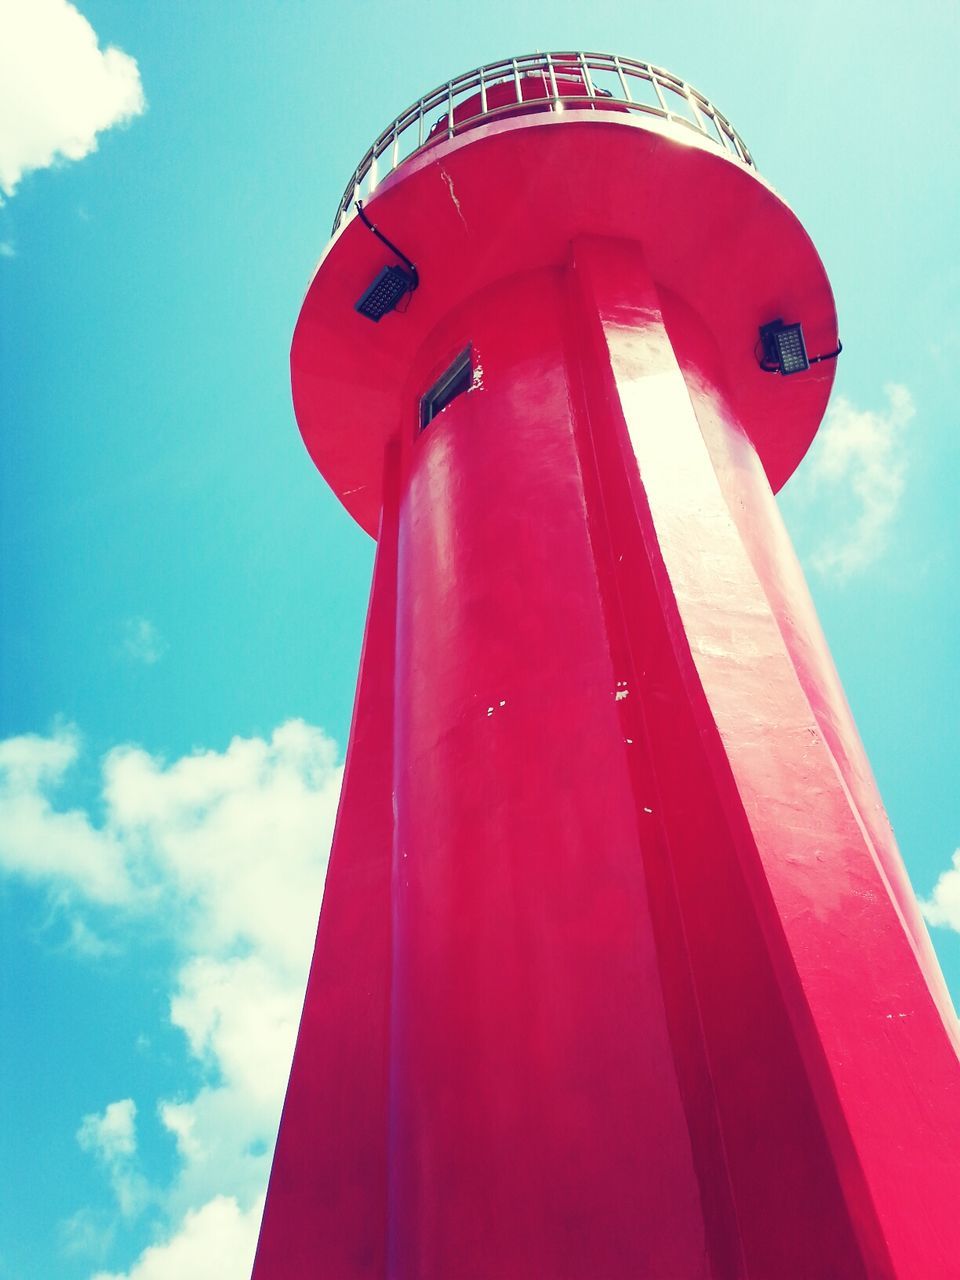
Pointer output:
x,y
7,250
112,1137
142,642
85,942
229,849
859,468
86,1234
58,88
943,906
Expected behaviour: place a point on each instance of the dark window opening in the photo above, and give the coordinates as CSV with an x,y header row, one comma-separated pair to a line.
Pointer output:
x,y
457,379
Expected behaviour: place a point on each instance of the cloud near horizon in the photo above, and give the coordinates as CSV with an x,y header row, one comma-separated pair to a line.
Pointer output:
x,y
58,88
227,852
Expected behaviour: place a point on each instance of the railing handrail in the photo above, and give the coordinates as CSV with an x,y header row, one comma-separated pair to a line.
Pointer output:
x,y
668,90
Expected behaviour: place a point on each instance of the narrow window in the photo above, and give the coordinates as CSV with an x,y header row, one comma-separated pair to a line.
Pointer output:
x,y
448,386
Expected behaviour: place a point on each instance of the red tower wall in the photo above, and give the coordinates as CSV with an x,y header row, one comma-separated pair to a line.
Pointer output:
x,y
618,971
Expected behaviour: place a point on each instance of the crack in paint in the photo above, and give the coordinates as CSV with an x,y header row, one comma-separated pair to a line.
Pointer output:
x,y
453,195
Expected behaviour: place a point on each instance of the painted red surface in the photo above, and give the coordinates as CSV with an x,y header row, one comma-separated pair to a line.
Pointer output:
x,y
618,975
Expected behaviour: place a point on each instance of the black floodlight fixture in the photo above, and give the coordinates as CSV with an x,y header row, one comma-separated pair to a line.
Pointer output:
x,y
392,284
382,296
784,350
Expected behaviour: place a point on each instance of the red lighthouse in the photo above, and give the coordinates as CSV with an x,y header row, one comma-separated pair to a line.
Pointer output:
x,y
618,973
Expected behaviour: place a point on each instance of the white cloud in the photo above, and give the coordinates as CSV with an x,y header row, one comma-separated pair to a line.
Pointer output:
x,y
229,849
943,906
858,466
58,89
235,840
241,836
40,842
112,1137
142,642
215,1242
240,1017
7,250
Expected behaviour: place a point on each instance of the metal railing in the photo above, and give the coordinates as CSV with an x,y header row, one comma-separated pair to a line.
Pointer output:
x,y
539,82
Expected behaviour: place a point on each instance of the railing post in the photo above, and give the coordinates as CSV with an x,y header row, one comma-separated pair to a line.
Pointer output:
x,y
659,92
555,100
623,79
585,72
692,99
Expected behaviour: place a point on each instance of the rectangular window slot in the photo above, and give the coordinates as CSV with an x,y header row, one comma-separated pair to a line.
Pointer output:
x,y
454,382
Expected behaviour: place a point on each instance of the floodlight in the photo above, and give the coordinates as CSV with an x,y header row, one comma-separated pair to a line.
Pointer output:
x,y
784,350
385,292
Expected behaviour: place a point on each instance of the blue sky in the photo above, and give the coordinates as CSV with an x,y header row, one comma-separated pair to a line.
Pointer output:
x,y
182,600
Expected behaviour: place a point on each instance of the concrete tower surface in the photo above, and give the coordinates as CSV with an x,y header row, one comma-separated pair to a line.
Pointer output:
x,y
618,975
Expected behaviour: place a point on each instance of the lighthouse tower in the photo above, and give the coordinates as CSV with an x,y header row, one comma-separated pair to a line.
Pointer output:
x,y
618,973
